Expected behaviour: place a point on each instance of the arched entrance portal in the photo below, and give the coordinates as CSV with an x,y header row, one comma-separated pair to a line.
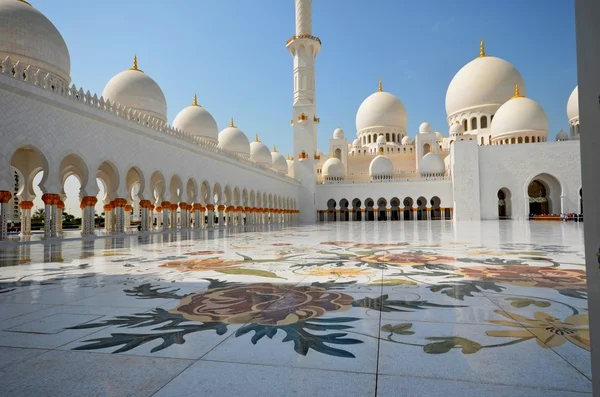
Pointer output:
x,y
538,200
331,210
504,204
408,209
381,209
356,212
544,193
344,210
395,212
370,216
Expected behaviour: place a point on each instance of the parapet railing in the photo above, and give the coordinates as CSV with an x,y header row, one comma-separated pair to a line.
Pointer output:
x,y
51,83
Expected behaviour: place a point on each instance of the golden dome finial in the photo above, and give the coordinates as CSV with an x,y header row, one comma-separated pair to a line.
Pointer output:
x,y
135,64
481,48
274,148
231,123
517,93
380,87
288,157
195,100
256,139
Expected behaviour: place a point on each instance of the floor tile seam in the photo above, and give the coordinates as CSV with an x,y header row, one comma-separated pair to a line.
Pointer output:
x,y
247,322
209,360
192,362
407,376
538,339
44,351
28,313
378,339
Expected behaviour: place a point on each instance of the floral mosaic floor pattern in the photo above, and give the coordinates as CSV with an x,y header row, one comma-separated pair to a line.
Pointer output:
x,y
415,308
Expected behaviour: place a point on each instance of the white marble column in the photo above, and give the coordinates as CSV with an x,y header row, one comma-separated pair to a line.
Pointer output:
x,y
210,211
60,206
50,201
587,29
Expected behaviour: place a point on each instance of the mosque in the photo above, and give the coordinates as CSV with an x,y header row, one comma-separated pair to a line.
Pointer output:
x,y
495,162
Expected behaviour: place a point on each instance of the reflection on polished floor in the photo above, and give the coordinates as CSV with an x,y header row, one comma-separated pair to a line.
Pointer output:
x,y
353,309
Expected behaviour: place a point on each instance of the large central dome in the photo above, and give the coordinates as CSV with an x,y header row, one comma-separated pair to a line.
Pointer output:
x,y
29,37
381,109
486,81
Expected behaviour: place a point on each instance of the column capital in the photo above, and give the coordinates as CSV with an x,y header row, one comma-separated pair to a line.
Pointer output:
x,y
5,196
25,205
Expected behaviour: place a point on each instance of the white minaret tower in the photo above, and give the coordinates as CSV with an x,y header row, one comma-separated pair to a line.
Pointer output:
x,y
304,48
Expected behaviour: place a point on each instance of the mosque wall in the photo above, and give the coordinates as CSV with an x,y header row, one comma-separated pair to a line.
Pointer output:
x,y
58,127
465,181
513,167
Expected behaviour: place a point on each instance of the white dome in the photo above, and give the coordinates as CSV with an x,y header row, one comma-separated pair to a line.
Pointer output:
x,y
196,120
518,115
562,136
279,163
234,140
356,143
381,139
438,136
432,163
333,168
381,109
338,133
425,128
406,140
260,153
136,90
29,37
456,129
485,81
573,105
381,166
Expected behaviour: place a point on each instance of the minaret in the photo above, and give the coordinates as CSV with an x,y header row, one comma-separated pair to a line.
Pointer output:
x,y
304,48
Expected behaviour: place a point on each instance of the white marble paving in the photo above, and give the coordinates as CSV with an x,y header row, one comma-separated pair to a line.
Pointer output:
x,y
410,308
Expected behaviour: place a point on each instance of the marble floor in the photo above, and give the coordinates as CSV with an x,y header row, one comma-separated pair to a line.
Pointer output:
x,y
352,309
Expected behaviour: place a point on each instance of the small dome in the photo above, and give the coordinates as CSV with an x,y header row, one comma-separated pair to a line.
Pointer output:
x,y
333,168
485,81
196,120
234,140
562,136
456,129
406,140
432,163
425,128
381,166
356,143
260,153
338,133
438,136
279,163
136,90
519,115
29,37
573,106
381,109
381,139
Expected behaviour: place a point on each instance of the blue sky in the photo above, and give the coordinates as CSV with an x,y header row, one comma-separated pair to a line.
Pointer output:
x,y
232,54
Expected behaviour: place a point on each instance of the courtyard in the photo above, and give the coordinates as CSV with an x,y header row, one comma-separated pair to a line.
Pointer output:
x,y
353,309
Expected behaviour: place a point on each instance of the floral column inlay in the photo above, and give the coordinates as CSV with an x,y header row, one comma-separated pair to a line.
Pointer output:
x,y
26,207
5,197
88,214
60,207
166,206
50,201
146,220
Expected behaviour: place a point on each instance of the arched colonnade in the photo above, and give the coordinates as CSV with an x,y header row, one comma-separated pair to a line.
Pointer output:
x,y
383,209
162,202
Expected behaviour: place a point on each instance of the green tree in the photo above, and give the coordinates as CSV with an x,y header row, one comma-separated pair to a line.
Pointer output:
x,y
38,216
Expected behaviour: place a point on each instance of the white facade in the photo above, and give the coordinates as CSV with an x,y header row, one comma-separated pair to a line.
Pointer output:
x,y
189,174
